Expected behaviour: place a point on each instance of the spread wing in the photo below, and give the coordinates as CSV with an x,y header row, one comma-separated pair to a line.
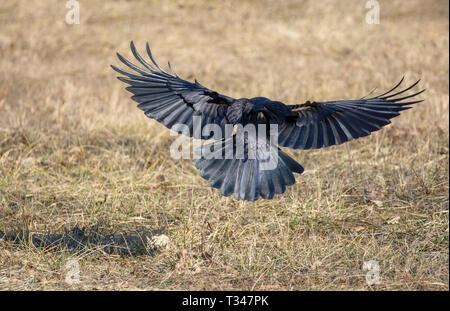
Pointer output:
x,y
171,100
322,124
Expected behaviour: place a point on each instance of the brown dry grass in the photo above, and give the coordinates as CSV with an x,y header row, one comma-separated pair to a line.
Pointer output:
x,y
74,149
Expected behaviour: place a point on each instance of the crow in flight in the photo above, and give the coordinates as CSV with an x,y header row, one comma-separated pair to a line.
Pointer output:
x,y
173,101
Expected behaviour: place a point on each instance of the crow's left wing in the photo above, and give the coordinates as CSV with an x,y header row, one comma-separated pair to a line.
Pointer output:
x,y
171,100
321,124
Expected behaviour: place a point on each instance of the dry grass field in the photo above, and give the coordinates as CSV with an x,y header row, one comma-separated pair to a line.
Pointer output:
x,y
76,152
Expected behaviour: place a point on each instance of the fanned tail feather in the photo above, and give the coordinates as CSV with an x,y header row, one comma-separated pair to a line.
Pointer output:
x,y
247,178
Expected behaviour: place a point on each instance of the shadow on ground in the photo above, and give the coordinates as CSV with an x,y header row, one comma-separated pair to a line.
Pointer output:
x,y
76,240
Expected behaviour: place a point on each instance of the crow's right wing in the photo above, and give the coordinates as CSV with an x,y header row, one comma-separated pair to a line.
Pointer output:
x,y
322,124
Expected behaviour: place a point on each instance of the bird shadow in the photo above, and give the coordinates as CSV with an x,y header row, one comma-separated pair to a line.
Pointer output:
x,y
87,239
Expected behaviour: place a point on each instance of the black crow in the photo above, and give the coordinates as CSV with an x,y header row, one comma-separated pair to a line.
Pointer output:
x,y
245,162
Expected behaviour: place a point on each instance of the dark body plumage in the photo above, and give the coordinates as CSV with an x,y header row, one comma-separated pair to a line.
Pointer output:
x,y
173,101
